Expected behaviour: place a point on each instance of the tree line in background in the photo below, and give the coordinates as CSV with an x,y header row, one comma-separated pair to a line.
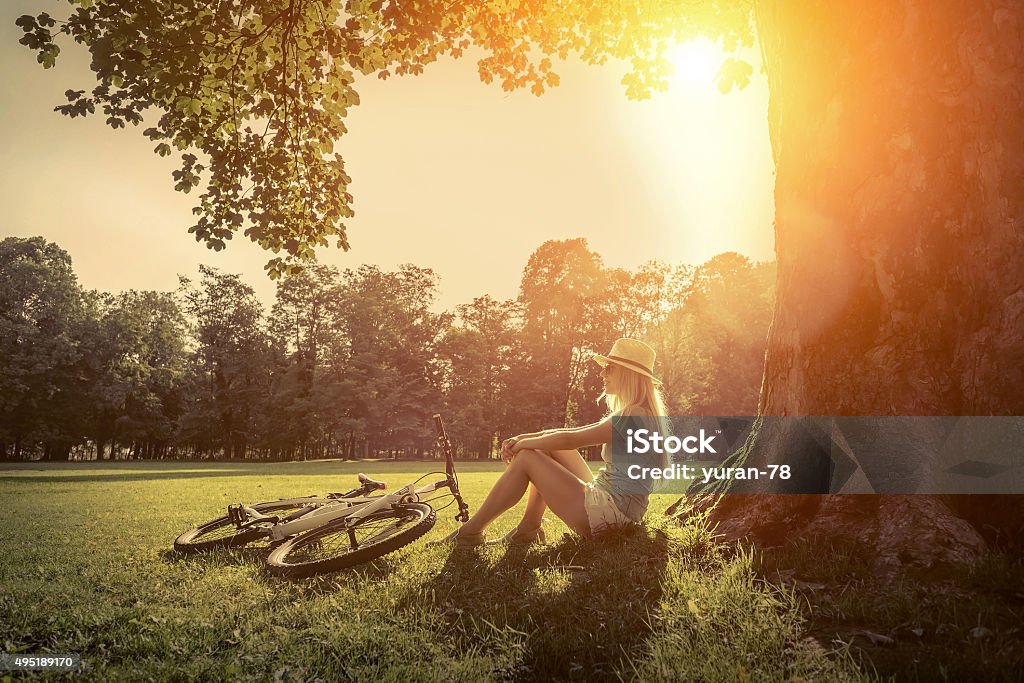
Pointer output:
x,y
352,363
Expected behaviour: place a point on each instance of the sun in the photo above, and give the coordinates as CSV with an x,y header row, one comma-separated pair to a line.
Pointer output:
x,y
695,61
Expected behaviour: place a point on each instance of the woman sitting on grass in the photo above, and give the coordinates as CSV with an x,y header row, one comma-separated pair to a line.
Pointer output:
x,y
547,467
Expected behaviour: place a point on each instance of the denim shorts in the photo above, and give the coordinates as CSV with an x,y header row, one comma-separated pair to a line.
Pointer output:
x,y
602,512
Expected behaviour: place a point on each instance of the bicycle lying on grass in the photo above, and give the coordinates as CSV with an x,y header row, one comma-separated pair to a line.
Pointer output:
x,y
318,534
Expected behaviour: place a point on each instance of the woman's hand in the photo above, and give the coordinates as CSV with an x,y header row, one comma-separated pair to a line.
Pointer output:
x,y
506,448
514,444
522,444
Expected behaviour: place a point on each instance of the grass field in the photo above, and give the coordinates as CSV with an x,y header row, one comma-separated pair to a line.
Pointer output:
x,y
86,568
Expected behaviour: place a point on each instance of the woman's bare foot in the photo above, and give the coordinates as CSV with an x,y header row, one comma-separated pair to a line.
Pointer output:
x,y
461,538
522,537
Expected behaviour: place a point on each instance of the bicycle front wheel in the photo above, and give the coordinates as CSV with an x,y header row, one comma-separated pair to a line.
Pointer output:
x,y
334,546
222,533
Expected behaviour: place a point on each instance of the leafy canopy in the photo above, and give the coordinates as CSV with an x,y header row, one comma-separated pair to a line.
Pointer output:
x,y
253,93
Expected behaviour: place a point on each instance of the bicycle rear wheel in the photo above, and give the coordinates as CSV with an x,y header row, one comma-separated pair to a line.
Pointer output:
x,y
222,533
333,546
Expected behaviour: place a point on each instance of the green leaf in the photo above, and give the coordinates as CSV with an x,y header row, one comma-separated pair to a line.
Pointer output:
x,y
48,56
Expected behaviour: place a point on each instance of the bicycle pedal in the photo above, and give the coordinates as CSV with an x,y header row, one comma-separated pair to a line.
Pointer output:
x,y
237,514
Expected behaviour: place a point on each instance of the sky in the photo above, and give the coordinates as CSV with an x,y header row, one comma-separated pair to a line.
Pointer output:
x,y
447,173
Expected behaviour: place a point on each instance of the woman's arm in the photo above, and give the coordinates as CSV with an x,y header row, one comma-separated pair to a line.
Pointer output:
x,y
513,439
576,437
533,434
567,439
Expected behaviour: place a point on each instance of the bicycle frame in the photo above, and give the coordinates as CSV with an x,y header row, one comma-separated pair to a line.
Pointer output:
x,y
353,508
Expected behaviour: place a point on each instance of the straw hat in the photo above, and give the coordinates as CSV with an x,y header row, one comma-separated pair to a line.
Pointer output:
x,y
632,354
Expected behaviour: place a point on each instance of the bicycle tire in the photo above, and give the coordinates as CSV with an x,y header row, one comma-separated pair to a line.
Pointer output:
x,y
300,557
193,541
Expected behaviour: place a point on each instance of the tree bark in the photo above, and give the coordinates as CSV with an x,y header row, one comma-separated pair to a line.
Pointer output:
x,y
896,129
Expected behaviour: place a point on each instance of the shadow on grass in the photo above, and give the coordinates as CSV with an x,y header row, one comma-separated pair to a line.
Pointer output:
x,y
580,609
112,477
152,470
219,557
961,624
323,584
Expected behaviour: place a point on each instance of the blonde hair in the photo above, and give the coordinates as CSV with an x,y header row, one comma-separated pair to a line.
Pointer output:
x,y
635,390
640,391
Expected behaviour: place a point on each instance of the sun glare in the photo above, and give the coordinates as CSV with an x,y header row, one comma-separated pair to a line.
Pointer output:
x,y
707,156
695,61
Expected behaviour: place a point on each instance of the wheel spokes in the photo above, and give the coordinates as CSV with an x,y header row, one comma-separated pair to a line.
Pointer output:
x,y
224,529
338,540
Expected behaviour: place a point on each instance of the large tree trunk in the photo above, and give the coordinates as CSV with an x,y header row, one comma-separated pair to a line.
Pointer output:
x,y
897,130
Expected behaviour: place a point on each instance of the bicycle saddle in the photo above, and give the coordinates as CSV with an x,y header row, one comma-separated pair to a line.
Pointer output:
x,y
372,484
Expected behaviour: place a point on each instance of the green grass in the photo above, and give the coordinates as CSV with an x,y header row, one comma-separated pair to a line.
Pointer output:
x,y
86,568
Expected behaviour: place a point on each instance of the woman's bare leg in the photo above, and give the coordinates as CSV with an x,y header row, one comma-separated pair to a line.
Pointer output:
x,y
561,490
535,505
